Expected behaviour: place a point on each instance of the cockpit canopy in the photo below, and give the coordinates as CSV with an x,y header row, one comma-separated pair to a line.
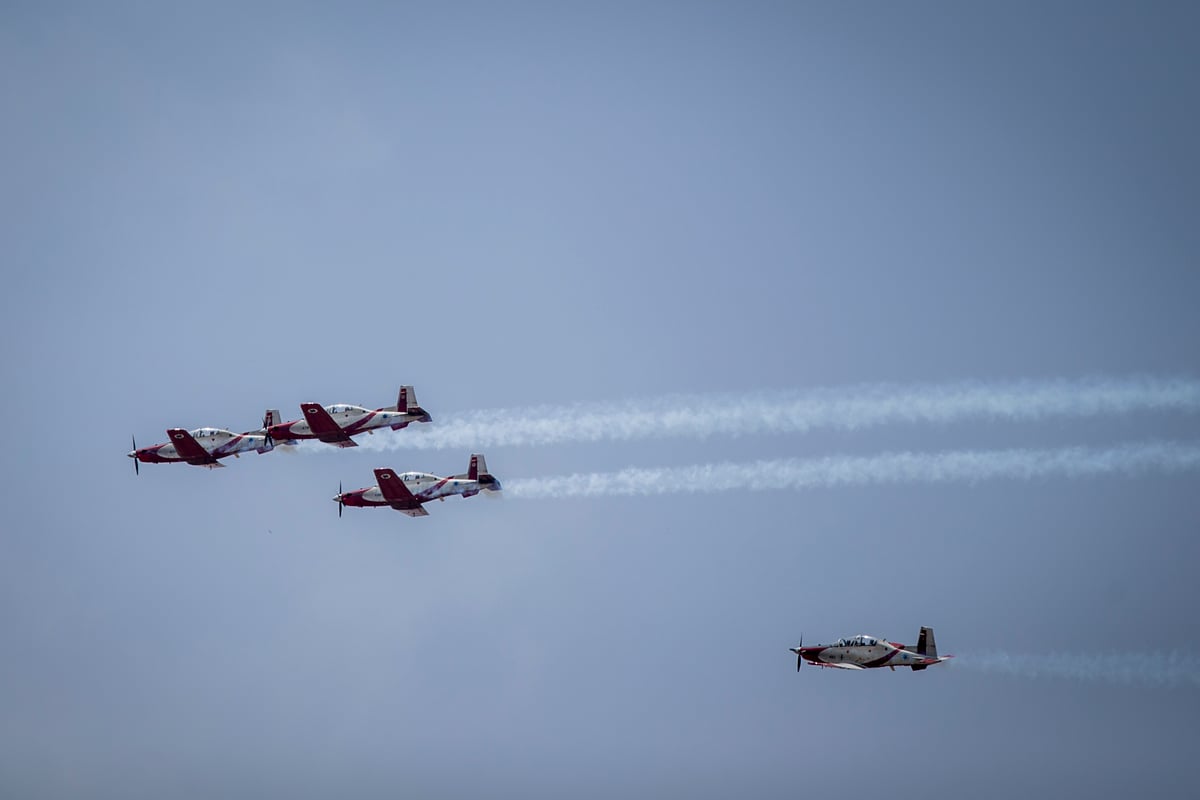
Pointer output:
x,y
341,408
199,432
410,477
862,640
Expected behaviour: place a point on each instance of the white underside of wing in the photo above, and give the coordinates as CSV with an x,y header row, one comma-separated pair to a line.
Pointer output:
x,y
414,512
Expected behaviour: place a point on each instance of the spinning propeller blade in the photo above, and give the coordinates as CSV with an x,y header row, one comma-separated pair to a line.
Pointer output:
x,y
133,455
340,502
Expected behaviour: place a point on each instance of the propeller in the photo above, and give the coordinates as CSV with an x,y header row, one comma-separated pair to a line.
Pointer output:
x,y
133,455
799,658
340,502
268,440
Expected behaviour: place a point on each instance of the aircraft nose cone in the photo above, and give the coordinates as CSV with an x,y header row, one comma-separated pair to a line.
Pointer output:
x,y
132,454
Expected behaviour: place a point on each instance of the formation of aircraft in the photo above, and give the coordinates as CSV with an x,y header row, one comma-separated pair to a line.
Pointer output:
x,y
335,424
407,492
204,447
868,652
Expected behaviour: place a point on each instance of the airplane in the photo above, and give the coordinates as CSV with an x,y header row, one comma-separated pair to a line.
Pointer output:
x,y
866,652
407,492
335,424
203,447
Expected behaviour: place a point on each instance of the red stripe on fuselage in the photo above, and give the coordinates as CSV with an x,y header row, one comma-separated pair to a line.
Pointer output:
x,y
882,660
227,449
285,431
428,493
358,427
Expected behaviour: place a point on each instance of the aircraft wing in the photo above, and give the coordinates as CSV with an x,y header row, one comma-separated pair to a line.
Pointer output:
x,y
324,426
188,448
398,495
842,665
419,511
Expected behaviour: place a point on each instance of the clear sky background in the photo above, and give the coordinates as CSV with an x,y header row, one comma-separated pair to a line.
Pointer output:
x,y
212,211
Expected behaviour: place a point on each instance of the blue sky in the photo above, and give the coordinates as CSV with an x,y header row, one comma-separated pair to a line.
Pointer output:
x,y
209,212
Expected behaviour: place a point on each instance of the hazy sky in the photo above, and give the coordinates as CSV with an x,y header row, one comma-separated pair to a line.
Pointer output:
x,y
209,211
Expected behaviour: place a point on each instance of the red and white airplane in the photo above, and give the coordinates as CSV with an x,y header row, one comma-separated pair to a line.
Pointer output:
x,y
866,652
203,447
335,424
407,492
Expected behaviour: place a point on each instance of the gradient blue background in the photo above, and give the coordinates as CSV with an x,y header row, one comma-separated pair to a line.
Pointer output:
x,y
208,212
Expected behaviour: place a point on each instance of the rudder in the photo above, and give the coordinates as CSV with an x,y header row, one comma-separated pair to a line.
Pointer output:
x,y
406,403
926,646
478,467
478,472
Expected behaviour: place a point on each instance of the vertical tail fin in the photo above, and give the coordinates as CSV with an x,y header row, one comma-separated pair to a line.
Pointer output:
x,y
926,646
406,403
478,467
478,471
271,417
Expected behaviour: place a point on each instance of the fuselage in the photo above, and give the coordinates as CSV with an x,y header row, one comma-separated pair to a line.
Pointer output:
x,y
424,487
351,419
863,651
217,442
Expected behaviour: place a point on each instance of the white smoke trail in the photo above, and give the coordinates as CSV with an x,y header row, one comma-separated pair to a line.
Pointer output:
x,y
1133,669
849,408
885,468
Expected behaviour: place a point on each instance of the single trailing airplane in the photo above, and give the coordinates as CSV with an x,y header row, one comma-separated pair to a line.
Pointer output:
x,y
866,652
203,447
335,424
407,492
